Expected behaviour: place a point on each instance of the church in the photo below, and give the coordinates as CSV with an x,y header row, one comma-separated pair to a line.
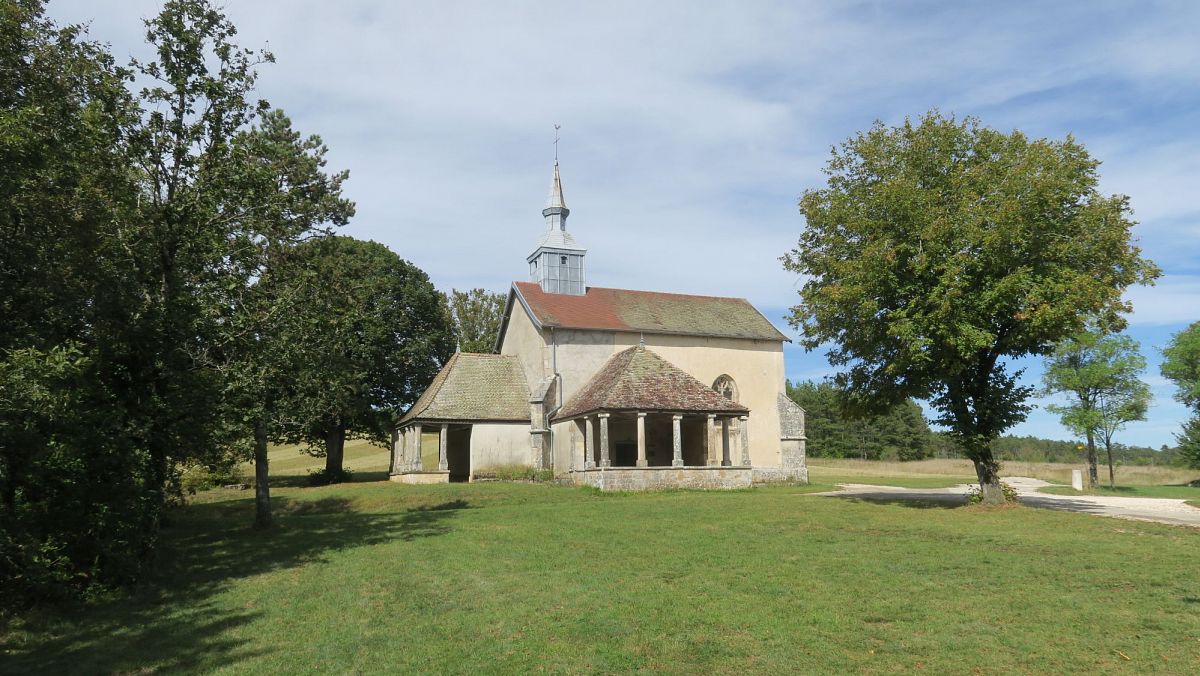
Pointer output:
x,y
610,388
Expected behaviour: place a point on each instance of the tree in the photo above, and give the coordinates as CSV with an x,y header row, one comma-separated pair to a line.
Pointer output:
x,y
1189,442
1101,372
900,433
477,315
374,332
1181,365
939,251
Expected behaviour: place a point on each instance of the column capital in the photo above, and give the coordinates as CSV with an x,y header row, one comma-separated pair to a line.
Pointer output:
x,y
677,416
602,415
641,414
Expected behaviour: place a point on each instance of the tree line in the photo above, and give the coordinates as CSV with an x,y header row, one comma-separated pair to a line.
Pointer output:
x,y
903,434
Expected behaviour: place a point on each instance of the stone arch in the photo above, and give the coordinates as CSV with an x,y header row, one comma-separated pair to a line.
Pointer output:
x,y
725,385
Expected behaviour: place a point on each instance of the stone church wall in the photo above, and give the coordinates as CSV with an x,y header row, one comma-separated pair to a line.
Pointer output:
x,y
494,444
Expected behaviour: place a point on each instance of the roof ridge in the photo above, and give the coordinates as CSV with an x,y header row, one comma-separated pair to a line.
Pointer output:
x,y
657,293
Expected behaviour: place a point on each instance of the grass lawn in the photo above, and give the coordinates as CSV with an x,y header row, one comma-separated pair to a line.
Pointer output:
x,y
1182,492
836,477
514,578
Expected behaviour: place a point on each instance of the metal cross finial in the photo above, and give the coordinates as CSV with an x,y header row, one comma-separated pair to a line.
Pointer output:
x,y
556,128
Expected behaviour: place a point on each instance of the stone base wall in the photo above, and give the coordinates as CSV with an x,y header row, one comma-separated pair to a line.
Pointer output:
x,y
421,478
769,475
663,478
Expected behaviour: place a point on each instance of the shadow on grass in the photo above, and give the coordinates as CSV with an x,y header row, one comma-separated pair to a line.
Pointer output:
x,y
302,480
174,621
912,503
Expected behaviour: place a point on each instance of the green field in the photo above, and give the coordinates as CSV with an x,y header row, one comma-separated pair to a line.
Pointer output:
x,y
485,578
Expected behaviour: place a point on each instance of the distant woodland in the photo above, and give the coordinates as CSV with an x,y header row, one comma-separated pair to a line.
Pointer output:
x,y
904,434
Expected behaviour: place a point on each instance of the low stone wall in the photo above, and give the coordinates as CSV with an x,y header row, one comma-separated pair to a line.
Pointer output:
x,y
769,475
662,478
421,478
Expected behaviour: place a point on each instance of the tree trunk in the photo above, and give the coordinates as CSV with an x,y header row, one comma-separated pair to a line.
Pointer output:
x,y
262,486
335,446
1093,475
988,471
1112,481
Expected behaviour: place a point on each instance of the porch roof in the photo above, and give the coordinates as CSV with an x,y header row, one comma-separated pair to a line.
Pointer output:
x,y
637,379
474,387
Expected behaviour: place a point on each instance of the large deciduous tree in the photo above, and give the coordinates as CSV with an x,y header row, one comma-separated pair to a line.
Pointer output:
x,y
373,330
940,250
477,315
1101,374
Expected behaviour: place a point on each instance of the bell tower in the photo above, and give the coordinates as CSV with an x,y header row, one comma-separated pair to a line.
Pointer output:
x,y
557,262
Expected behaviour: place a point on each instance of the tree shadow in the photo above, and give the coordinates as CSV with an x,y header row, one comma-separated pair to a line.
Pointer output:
x,y
911,502
303,481
173,621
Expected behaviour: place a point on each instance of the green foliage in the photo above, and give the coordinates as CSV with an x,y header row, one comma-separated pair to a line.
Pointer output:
x,y
941,249
1100,374
477,316
370,331
133,231
1181,365
325,477
898,434
975,495
1189,442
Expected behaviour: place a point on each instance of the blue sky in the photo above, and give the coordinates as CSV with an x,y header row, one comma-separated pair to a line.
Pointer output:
x,y
691,129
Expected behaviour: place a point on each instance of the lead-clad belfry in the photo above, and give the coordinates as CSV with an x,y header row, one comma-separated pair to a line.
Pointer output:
x,y
612,388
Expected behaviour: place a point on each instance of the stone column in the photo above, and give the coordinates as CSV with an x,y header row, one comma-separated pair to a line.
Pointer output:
x,y
605,451
745,427
676,442
641,459
589,444
443,463
710,440
416,459
725,460
395,455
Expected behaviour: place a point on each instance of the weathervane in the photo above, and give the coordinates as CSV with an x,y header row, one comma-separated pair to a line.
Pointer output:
x,y
556,128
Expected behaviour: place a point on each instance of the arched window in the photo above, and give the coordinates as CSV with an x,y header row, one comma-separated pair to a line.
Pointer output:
x,y
726,387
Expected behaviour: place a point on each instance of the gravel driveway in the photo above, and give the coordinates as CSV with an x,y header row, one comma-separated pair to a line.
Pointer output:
x,y
1162,510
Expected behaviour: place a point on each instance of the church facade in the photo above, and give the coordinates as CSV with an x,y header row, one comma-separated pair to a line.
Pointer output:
x,y
612,388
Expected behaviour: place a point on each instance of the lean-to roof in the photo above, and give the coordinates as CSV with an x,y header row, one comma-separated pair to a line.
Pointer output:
x,y
474,388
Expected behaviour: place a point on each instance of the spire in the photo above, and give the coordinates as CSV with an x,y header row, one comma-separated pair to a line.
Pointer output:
x,y
556,210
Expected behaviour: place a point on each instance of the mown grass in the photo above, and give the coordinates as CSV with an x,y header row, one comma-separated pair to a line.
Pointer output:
x,y
1128,475
1182,492
512,578
835,476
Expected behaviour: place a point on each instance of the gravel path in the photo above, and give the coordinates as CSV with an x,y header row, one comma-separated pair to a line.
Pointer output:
x,y
1162,510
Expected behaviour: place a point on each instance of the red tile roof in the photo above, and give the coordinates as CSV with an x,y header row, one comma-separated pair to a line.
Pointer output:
x,y
637,379
647,312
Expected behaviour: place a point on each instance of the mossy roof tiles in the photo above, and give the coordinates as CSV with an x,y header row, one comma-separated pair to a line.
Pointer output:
x,y
604,309
474,387
637,379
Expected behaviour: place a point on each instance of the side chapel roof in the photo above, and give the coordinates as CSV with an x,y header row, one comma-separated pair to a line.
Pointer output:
x,y
474,387
646,312
637,379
